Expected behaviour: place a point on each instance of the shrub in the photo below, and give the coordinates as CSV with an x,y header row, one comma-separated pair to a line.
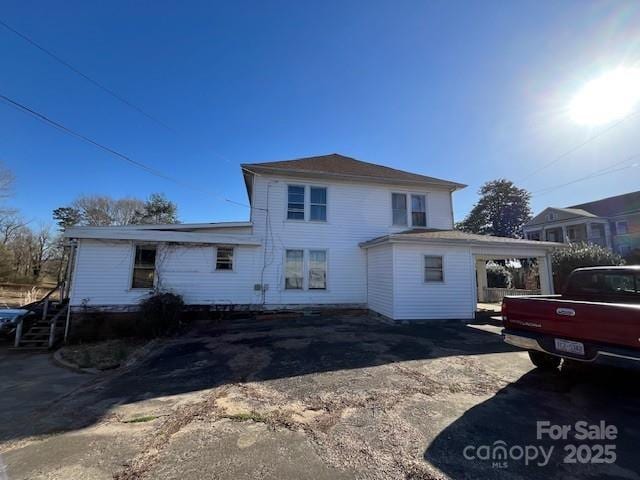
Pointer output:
x,y
159,315
578,255
498,276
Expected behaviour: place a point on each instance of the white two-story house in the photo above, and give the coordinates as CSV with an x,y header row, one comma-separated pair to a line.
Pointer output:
x,y
323,231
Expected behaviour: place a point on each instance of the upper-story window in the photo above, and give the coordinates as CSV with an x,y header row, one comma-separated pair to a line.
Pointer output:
x,y
401,217
303,206
551,216
295,202
318,210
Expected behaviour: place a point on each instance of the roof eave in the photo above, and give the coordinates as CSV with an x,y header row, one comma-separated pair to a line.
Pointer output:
x,y
259,169
460,241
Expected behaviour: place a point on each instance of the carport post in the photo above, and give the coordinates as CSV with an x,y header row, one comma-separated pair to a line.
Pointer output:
x,y
546,275
481,276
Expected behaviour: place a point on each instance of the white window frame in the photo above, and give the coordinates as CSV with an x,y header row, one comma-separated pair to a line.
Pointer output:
x,y
409,215
233,259
626,227
307,203
308,269
304,203
284,270
424,268
133,266
406,210
305,270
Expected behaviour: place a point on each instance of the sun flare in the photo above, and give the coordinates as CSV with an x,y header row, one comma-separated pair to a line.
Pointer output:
x,y
607,98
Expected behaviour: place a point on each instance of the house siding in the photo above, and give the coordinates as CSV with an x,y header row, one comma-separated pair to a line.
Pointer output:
x,y
380,279
355,213
103,274
454,298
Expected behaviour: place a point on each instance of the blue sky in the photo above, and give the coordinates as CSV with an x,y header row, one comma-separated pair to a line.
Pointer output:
x,y
467,91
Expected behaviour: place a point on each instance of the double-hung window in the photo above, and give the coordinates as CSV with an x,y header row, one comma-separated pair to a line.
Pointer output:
x,y
433,269
418,211
295,202
313,262
400,212
318,204
317,270
224,258
399,207
144,266
303,205
294,269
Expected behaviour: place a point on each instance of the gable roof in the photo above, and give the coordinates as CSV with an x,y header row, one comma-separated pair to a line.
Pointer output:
x,y
612,206
562,214
341,166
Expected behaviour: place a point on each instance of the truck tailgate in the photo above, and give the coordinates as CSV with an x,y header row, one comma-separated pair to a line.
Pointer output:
x,y
610,323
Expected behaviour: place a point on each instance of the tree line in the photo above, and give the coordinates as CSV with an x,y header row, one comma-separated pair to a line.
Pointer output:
x,y
34,253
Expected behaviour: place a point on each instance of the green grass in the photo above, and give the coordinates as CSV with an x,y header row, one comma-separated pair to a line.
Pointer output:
x,y
147,418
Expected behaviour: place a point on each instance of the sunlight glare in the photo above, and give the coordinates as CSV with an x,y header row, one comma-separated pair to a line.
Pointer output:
x,y
607,98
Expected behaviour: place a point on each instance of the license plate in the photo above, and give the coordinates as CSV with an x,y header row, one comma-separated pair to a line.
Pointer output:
x,y
568,346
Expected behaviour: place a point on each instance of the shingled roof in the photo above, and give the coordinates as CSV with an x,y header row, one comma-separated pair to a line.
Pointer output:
x,y
612,206
336,165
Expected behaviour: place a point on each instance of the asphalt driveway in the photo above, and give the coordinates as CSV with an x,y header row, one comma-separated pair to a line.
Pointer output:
x,y
326,397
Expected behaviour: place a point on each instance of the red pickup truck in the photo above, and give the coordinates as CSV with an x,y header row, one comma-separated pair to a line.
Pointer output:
x,y
596,319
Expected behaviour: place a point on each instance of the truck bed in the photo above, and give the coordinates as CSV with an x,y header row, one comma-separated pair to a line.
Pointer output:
x,y
615,324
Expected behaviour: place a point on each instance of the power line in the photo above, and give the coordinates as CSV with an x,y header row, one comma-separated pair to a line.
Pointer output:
x,y
598,173
111,151
86,77
579,146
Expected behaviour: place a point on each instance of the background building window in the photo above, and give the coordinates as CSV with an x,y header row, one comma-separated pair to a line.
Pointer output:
x,y
622,227
317,269
224,258
295,205
144,266
293,269
318,200
399,207
418,211
433,269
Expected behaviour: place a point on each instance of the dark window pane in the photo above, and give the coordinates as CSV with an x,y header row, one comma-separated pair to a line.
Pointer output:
x,y
399,206
295,214
224,258
318,195
318,213
145,256
418,211
142,278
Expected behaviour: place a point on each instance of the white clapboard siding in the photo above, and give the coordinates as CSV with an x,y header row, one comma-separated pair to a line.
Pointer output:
x,y
103,274
355,213
380,279
454,298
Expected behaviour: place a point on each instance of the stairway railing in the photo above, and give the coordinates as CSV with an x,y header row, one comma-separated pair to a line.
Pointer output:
x,y
35,306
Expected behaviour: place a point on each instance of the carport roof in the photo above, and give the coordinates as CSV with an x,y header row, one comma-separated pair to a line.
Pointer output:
x,y
431,235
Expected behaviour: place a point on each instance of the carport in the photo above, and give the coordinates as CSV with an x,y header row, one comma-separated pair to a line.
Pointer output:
x,y
441,274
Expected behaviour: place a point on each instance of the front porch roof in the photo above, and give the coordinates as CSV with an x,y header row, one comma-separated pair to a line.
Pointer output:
x,y
457,237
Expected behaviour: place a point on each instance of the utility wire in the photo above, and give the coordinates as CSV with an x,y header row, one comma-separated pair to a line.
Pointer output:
x,y
111,151
579,146
598,173
86,77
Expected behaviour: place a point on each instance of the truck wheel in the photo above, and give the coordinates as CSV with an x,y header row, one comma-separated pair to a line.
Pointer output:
x,y
544,361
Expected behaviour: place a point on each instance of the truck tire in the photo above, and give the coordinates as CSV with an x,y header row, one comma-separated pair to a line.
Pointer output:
x,y
544,361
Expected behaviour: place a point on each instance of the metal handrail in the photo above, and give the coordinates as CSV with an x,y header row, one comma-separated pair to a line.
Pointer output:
x,y
32,307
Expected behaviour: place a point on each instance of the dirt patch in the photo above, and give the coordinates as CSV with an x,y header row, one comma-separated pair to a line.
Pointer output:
x,y
105,355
